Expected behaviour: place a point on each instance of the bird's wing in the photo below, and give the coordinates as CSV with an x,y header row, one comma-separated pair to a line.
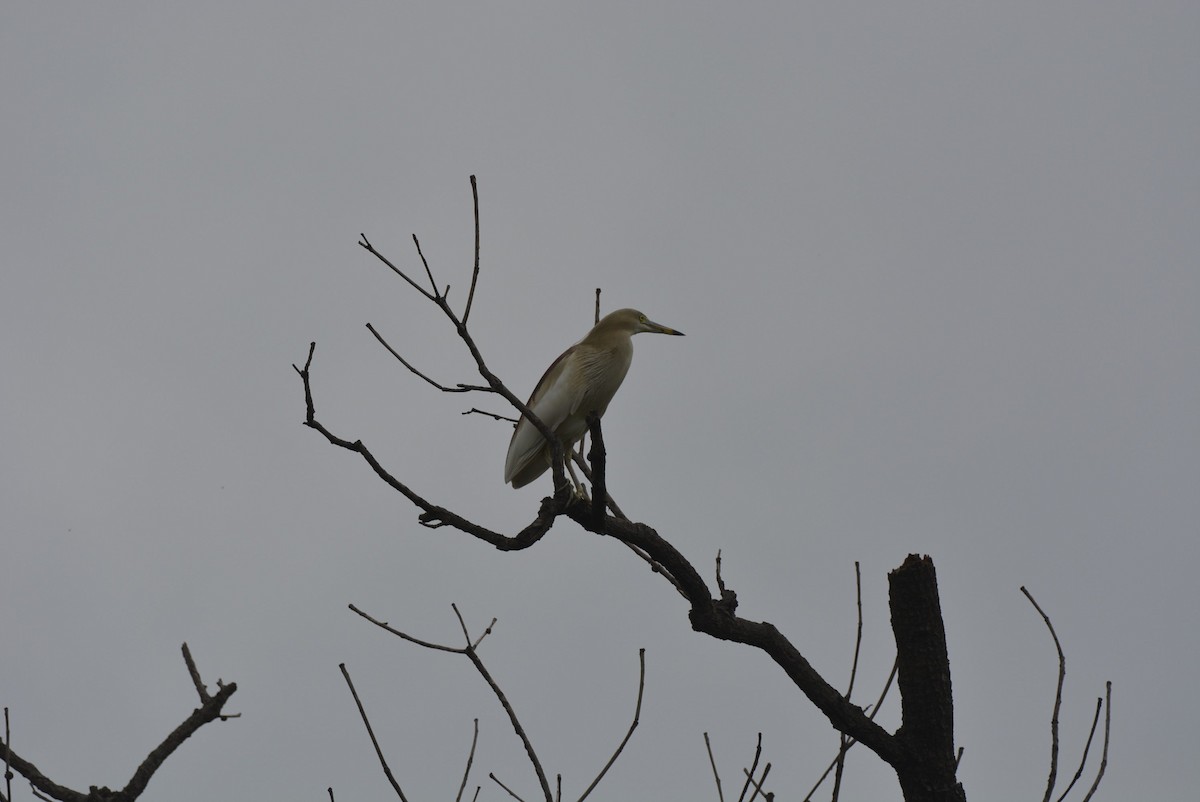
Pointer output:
x,y
553,400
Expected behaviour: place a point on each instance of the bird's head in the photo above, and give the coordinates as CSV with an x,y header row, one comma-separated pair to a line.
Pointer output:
x,y
630,322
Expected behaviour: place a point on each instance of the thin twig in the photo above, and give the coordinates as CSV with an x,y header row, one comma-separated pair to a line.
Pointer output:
x,y
366,244
384,625
516,723
713,763
1086,748
475,411
367,722
470,760
505,787
460,388
428,272
8,773
475,272
843,739
486,632
597,315
858,635
637,714
1062,673
461,623
1104,751
758,784
753,768
330,790
469,651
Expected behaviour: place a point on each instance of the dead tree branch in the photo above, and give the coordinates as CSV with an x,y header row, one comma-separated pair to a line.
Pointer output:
x,y
362,712
470,652
1058,694
637,716
1062,674
210,709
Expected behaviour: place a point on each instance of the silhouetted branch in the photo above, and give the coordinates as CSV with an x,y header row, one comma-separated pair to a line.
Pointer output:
x,y
432,515
511,793
758,784
8,774
707,745
209,710
475,271
474,411
473,656
362,711
753,768
1104,751
366,244
843,739
1062,673
470,760
637,714
1087,747
461,388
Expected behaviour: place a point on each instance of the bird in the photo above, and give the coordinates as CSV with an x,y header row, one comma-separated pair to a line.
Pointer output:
x,y
583,379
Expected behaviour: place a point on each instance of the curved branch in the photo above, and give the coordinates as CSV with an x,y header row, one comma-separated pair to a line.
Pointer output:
x,y
637,716
1062,674
717,618
432,515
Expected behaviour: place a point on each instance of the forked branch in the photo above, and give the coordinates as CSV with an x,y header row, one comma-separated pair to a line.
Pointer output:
x,y
211,706
470,650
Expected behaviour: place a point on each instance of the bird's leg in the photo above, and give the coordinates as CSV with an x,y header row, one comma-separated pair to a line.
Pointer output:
x,y
580,490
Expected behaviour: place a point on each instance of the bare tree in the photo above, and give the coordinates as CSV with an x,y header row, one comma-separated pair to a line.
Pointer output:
x,y
921,752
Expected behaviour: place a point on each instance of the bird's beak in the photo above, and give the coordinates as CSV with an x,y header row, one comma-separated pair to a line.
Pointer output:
x,y
659,328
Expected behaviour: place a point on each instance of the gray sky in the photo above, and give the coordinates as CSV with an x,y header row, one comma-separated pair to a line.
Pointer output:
x,y
937,265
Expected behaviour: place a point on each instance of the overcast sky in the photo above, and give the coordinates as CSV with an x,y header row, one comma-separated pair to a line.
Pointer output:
x,y
938,269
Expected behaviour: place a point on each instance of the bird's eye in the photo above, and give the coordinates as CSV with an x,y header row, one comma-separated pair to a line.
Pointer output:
x,y
642,318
